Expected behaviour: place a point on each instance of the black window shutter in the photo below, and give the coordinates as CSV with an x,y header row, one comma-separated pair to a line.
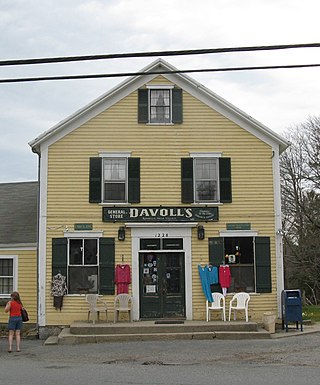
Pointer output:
x,y
143,115
187,180
95,175
106,265
263,265
134,180
59,256
225,180
216,251
176,105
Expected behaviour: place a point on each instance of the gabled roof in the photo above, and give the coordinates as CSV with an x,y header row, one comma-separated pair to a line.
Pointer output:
x,y
18,213
148,73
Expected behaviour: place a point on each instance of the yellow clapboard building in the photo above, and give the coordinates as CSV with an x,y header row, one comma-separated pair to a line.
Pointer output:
x,y
158,176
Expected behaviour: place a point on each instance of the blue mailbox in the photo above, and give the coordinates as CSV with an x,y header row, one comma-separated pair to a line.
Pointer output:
x,y
291,305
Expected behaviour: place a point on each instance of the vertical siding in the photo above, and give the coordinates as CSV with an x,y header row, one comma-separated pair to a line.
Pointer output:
x,y
160,148
27,281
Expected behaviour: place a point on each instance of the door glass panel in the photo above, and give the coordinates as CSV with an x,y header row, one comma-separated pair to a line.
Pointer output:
x,y
173,272
150,274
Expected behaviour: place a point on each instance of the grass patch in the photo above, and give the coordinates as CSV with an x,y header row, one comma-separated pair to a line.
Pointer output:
x,y
311,312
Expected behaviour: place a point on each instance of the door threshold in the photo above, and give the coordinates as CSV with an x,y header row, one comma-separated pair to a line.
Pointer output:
x,y
168,322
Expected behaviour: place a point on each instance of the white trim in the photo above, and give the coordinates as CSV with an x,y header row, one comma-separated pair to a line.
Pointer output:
x,y
205,154
181,80
278,227
18,247
15,273
111,154
83,234
42,254
147,231
159,86
238,233
162,224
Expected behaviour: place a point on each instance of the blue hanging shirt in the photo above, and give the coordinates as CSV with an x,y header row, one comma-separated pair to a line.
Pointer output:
x,y
203,272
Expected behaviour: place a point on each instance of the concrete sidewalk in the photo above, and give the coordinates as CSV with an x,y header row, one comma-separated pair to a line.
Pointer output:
x,y
308,328
82,332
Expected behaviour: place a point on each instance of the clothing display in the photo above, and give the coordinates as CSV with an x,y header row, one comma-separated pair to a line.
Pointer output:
x,y
122,278
212,273
205,279
58,290
224,278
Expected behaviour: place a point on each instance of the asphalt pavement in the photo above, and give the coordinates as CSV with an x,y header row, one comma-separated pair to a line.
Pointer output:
x,y
282,360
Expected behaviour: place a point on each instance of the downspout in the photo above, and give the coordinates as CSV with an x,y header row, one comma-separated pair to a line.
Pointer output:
x,y
38,236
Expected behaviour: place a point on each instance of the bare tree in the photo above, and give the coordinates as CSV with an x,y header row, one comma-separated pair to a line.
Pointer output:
x,y
300,183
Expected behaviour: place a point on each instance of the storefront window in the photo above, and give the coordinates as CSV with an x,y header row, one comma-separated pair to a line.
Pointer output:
x,y
239,255
83,266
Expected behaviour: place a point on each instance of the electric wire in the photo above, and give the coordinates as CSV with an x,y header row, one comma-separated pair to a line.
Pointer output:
x,y
63,59
158,72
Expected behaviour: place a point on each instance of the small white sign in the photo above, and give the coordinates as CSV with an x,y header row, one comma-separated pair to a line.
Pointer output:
x,y
150,288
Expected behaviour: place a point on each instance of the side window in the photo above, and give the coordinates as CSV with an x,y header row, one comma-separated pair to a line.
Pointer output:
x,y
7,275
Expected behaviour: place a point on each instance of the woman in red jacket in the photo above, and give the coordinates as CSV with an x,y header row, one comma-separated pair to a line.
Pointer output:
x,y
14,306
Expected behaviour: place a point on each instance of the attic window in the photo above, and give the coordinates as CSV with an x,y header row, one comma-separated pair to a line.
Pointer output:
x,y
160,104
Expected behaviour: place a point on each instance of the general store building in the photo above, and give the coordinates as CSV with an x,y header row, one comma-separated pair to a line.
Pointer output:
x,y
160,174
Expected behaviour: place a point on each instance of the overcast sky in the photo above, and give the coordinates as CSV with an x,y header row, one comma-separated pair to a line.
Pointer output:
x,y
47,28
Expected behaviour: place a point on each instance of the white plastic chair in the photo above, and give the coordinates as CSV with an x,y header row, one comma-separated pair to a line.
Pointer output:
x,y
218,303
122,303
96,306
240,301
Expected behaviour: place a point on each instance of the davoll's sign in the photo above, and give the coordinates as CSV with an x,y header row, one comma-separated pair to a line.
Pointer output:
x,y
159,214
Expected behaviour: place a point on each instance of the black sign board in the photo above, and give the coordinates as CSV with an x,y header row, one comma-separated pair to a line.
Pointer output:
x,y
160,214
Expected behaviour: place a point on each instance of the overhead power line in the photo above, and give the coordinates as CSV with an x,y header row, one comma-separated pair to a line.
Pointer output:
x,y
64,59
159,72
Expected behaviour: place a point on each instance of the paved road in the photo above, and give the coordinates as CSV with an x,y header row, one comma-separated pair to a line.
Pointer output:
x,y
294,361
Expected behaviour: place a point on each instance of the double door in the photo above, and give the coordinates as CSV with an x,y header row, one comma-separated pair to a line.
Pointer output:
x,y
162,284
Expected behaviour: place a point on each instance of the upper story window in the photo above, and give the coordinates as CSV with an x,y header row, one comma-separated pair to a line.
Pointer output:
x,y
206,178
114,178
160,104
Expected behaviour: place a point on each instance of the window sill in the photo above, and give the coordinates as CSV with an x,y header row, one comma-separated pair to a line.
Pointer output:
x,y
115,204
211,204
252,293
